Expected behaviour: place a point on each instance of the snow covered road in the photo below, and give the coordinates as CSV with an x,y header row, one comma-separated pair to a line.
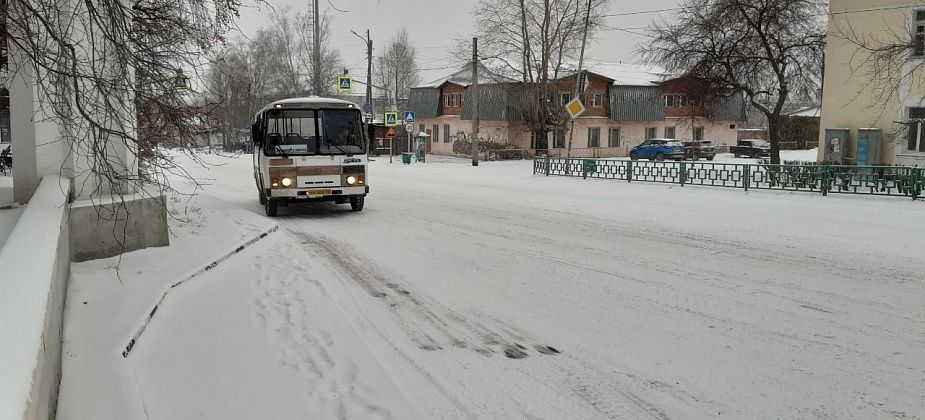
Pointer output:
x,y
492,293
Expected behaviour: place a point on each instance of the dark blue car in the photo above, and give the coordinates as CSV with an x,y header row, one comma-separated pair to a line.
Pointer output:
x,y
658,149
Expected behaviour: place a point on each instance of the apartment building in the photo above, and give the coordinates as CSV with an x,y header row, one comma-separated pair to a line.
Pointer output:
x,y
625,105
891,98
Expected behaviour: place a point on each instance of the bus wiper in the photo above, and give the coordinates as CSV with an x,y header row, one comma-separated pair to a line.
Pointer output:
x,y
328,141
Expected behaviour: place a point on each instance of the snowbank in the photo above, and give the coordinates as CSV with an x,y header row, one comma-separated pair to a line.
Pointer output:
x,y
35,262
112,301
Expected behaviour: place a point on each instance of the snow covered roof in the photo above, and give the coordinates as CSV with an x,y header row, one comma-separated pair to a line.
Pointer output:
x,y
626,74
463,77
315,101
810,111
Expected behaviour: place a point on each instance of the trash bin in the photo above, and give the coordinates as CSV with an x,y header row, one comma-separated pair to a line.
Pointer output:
x,y
406,158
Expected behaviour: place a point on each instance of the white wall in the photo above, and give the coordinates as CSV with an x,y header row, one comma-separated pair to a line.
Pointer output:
x,y
36,262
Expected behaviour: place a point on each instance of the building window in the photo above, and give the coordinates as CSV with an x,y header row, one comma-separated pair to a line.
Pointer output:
x,y
916,130
565,98
597,100
446,133
594,137
613,138
669,101
698,133
682,101
669,132
452,100
918,43
558,141
651,132
732,126
436,133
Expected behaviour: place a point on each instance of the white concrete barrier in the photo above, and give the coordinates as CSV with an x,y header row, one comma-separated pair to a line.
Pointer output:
x,y
34,268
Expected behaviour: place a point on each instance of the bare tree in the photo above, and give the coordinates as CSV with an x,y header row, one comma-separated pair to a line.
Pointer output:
x,y
288,44
770,50
275,63
396,68
96,62
239,82
537,42
331,63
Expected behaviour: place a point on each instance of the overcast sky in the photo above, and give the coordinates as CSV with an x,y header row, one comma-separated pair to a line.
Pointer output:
x,y
433,25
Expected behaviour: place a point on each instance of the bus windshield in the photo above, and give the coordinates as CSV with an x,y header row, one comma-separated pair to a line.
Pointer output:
x,y
311,132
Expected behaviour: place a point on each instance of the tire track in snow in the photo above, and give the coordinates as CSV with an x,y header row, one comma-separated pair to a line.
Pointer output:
x,y
429,324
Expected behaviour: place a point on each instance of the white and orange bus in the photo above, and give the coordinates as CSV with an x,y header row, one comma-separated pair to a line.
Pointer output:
x,y
310,149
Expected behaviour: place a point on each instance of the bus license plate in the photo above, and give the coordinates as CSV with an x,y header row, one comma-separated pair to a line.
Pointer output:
x,y
319,192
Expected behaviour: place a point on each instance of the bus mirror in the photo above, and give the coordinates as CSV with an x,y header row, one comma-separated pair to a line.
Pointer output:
x,y
255,134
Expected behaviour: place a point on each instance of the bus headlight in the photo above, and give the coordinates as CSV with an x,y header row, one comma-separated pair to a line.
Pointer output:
x,y
351,180
286,182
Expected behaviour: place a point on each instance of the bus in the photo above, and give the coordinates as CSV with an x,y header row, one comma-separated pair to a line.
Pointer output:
x,y
310,149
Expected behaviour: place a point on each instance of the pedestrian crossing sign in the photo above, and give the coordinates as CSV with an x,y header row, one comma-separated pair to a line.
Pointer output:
x,y
391,119
344,84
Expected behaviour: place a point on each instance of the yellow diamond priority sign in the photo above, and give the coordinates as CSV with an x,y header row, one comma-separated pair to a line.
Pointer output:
x,y
575,108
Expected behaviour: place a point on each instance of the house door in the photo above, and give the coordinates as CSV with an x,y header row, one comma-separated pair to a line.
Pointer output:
x,y
428,144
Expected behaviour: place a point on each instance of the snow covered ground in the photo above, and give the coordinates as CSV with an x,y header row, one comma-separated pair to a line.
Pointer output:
x,y
488,292
785,155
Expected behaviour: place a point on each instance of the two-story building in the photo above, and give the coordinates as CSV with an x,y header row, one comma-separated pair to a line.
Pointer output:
x,y
891,97
625,105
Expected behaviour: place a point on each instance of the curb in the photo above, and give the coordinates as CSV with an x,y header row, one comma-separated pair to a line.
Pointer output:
x,y
141,329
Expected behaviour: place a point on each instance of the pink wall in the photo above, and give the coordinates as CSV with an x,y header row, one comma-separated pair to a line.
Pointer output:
x,y
632,133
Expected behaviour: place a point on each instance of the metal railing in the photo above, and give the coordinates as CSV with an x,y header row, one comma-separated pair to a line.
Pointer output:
x,y
898,181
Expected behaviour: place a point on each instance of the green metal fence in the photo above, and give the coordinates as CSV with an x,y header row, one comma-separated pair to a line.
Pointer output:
x,y
847,179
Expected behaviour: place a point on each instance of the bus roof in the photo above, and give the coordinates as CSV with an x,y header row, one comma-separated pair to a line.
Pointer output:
x,y
310,102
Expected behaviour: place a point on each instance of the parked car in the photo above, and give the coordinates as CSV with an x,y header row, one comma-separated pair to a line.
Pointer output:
x,y
697,149
751,148
658,149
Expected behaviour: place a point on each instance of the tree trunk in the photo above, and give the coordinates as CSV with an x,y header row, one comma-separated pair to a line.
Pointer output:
x,y
774,128
541,141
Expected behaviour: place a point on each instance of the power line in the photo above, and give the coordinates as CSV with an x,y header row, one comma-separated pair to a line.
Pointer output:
x,y
627,30
872,9
844,12
643,12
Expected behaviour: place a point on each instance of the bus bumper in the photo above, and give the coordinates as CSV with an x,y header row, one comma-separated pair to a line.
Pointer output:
x,y
319,194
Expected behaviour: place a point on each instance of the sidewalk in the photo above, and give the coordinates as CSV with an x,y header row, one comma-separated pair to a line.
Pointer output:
x,y
240,340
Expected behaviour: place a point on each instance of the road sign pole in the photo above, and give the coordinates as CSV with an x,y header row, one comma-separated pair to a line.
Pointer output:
x,y
581,59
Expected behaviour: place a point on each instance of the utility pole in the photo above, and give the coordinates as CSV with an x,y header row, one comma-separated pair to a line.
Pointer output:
x,y
581,59
316,54
369,73
369,76
474,91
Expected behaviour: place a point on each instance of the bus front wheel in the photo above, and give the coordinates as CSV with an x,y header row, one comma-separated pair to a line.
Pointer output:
x,y
356,203
271,207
